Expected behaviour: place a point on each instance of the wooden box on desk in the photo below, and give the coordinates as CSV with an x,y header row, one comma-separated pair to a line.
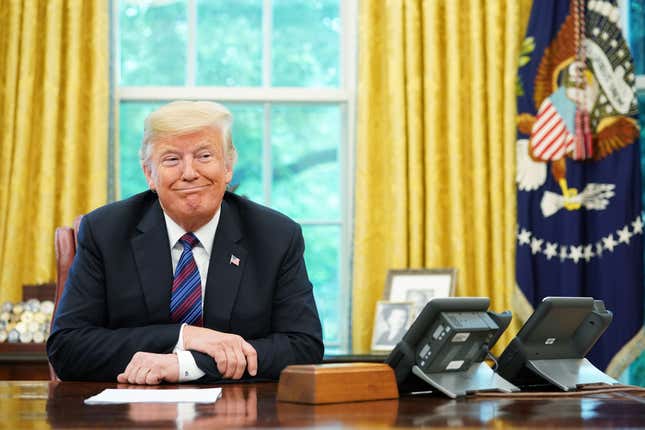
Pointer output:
x,y
333,383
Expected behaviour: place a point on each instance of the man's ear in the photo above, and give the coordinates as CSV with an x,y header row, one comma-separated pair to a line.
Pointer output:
x,y
149,176
229,173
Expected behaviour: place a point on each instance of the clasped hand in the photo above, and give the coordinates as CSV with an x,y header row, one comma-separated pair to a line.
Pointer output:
x,y
150,369
231,352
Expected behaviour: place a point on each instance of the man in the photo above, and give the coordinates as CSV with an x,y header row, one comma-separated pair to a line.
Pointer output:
x,y
396,318
186,281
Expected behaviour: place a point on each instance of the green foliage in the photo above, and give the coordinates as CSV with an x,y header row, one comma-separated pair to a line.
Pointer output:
x,y
145,27
306,43
322,259
248,130
519,88
637,369
637,34
229,43
131,115
305,142
527,47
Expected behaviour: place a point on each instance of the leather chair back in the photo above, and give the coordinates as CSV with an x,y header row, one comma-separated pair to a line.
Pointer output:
x,y
65,246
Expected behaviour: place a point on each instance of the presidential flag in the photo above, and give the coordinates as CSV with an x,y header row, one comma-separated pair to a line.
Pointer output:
x,y
580,227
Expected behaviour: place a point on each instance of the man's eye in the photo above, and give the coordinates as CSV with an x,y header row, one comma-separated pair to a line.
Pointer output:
x,y
170,161
205,156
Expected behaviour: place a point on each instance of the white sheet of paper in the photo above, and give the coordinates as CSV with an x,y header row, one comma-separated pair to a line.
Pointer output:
x,y
135,395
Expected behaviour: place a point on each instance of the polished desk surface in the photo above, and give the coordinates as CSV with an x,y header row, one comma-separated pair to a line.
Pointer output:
x,y
42,404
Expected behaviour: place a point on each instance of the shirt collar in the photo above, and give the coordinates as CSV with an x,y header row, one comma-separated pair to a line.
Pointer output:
x,y
205,234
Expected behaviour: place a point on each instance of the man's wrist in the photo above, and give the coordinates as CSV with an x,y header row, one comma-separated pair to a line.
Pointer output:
x,y
182,337
180,346
187,368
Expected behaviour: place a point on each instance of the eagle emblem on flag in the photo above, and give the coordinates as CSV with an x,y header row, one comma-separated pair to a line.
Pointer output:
x,y
584,98
580,224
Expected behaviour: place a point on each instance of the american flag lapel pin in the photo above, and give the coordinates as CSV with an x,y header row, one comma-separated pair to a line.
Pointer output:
x,y
234,260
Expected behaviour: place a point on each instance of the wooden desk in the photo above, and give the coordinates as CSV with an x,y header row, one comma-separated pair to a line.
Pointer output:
x,y
23,361
60,405
28,361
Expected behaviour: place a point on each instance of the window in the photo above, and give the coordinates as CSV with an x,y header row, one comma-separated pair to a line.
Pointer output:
x,y
285,68
634,17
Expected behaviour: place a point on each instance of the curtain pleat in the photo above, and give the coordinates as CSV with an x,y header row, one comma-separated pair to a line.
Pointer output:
x,y
54,95
435,147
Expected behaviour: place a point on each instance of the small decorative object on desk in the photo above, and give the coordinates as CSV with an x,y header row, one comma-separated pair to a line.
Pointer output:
x,y
419,286
391,321
25,322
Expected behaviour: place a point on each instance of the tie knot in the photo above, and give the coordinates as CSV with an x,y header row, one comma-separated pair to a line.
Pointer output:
x,y
189,240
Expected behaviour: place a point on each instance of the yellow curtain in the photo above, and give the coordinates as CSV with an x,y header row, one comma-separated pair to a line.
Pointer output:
x,y
436,146
54,100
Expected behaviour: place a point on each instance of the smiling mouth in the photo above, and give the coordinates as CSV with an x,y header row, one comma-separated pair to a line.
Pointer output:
x,y
189,189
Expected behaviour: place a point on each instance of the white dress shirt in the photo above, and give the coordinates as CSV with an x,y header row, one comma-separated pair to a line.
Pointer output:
x,y
188,370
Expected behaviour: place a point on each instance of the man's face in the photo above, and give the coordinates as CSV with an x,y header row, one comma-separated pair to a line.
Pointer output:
x,y
189,173
397,319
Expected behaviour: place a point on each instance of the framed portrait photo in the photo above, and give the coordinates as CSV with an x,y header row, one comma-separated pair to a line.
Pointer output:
x,y
391,321
419,286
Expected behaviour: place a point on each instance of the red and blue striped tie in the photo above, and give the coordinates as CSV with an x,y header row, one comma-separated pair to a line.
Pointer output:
x,y
186,299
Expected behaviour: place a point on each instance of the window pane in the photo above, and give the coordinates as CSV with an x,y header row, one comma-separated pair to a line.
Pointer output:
x,y
637,368
640,94
131,117
322,245
305,141
152,37
637,34
641,113
229,43
248,129
305,43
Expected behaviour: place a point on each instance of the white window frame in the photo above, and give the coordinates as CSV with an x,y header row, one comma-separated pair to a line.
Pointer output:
x,y
344,96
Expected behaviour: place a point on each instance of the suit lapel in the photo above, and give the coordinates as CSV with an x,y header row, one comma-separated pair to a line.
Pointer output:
x,y
223,274
152,256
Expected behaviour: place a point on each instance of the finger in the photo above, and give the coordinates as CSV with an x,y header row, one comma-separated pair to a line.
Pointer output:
x,y
220,358
140,376
230,362
233,363
240,363
129,369
153,378
127,374
132,376
251,358
122,378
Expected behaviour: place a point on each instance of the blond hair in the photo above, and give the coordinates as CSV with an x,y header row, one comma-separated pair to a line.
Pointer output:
x,y
182,117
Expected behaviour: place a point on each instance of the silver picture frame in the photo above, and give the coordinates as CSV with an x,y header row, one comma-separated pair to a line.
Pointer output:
x,y
391,321
419,285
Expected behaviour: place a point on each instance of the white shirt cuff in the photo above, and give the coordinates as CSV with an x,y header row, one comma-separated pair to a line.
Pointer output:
x,y
188,370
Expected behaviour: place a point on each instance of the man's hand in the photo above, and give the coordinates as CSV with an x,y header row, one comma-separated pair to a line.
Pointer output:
x,y
150,369
232,354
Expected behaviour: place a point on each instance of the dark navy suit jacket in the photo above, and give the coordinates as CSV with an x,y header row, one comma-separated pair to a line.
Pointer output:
x,y
117,297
